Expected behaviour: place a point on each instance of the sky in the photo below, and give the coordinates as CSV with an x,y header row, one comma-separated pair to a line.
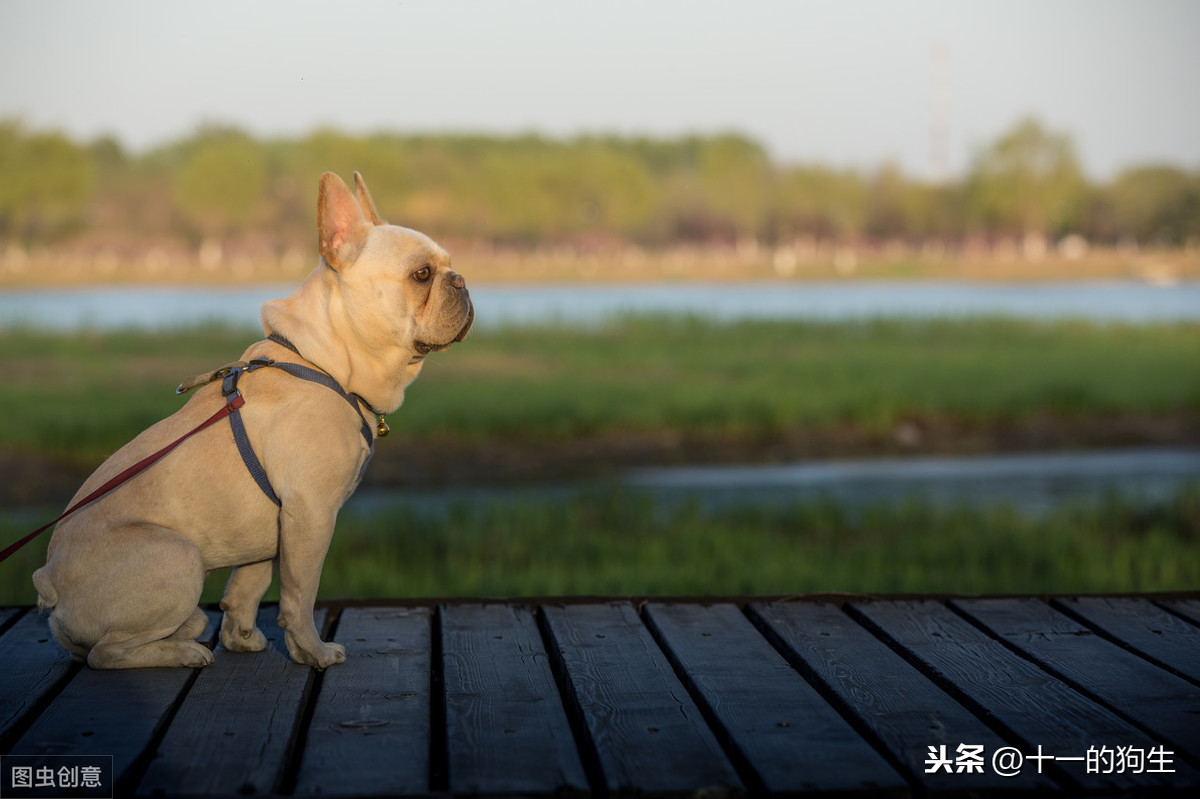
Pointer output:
x,y
854,84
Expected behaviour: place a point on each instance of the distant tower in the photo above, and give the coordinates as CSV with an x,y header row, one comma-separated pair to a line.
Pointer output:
x,y
939,112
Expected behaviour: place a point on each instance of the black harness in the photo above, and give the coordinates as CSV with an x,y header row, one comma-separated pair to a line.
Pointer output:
x,y
229,389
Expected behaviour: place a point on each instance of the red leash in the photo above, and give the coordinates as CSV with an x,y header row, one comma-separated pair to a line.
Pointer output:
x,y
231,406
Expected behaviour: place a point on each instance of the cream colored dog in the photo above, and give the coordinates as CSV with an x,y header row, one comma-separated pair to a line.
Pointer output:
x,y
123,576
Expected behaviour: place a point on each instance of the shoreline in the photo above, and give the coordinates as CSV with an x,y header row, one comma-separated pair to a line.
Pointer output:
x,y
57,270
443,462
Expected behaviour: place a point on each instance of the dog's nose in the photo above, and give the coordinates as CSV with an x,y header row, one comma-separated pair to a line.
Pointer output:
x,y
456,280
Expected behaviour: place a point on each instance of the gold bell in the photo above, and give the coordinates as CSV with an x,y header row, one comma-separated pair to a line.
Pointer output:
x,y
383,429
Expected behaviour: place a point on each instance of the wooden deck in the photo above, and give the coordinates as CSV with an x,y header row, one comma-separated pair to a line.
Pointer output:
x,y
779,696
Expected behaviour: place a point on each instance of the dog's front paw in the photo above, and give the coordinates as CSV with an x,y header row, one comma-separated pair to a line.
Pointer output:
x,y
320,657
331,655
237,638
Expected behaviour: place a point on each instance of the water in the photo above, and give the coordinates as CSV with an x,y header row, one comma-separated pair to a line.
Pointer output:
x,y
1033,483
165,307
1123,301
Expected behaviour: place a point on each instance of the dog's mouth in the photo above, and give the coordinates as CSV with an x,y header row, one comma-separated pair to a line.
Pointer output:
x,y
423,348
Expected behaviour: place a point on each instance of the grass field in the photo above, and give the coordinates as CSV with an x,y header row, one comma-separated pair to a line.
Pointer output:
x,y
82,396
72,399
614,542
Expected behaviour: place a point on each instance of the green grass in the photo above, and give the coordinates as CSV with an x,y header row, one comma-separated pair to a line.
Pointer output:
x,y
618,542
765,377
84,396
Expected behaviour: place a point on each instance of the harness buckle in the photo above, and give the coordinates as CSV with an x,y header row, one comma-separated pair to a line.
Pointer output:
x,y
222,374
208,377
230,381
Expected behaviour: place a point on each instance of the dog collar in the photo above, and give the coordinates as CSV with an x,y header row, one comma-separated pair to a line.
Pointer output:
x,y
381,429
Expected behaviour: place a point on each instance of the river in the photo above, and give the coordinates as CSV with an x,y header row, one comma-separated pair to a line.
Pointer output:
x,y
1033,483
164,307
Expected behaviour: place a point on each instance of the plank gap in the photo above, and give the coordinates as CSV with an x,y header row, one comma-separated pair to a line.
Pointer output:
x,y
956,692
35,711
1179,610
843,709
1053,672
125,784
439,735
588,754
290,770
724,737
1097,629
10,616
1063,673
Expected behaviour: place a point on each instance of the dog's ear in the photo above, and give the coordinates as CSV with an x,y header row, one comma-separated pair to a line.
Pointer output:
x,y
365,202
341,227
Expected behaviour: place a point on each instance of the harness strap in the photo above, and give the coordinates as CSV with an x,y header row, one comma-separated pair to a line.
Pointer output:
x,y
313,376
325,379
381,430
242,439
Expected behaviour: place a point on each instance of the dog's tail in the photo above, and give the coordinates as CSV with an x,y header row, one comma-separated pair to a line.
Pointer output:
x,y
47,596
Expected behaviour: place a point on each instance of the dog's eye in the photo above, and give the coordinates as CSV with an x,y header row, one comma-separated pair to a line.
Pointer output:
x,y
423,274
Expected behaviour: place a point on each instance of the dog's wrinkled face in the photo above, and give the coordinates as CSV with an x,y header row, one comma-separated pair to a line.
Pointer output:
x,y
402,282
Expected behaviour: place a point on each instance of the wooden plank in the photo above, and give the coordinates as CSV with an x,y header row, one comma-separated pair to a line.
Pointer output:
x,y
34,667
233,732
1159,701
369,733
645,732
6,614
789,736
898,704
117,713
1188,608
1145,627
1047,715
507,730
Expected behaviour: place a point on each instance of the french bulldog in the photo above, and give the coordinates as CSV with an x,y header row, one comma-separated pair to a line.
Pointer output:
x,y
123,575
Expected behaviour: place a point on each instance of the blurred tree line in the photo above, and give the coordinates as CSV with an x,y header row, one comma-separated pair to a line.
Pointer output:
x,y
221,185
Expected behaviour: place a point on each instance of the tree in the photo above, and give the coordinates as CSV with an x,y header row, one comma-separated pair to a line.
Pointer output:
x,y
894,205
1156,205
733,174
1028,182
46,182
821,202
221,180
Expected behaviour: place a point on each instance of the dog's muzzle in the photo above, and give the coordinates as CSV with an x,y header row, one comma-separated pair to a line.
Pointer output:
x,y
423,348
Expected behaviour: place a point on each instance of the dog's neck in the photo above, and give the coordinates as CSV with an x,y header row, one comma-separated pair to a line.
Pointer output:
x,y
314,319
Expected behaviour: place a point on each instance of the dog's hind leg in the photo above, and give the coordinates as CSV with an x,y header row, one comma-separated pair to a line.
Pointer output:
x,y
243,592
177,648
196,624
164,648
140,611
